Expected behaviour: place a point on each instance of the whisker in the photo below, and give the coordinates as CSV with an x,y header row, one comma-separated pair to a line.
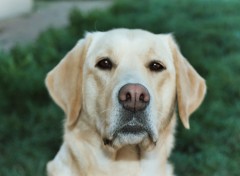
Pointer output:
x,y
105,110
159,113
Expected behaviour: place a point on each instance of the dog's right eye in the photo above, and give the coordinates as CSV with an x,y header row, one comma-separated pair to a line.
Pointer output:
x,y
105,64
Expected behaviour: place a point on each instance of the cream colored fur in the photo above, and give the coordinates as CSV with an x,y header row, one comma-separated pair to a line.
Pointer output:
x,y
88,96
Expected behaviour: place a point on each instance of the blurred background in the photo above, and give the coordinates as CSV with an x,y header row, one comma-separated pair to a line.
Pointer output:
x,y
35,35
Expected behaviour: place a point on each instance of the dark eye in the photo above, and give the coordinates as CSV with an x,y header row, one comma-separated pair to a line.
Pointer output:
x,y
105,64
156,66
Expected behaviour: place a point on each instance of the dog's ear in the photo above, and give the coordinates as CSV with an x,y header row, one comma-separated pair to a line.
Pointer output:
x,y
64,81
191,87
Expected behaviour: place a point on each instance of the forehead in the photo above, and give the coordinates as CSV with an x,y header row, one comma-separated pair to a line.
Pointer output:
x,y
130,43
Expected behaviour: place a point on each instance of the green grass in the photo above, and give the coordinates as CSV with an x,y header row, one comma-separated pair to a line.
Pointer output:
x,y
209,35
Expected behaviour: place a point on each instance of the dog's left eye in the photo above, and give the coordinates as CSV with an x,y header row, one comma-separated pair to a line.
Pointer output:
x,y
105,64
156,66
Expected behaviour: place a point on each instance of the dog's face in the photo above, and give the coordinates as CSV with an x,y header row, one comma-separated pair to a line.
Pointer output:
x,y
129,85
126,84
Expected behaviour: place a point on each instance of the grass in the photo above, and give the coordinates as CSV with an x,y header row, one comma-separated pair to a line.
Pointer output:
x,y
208,33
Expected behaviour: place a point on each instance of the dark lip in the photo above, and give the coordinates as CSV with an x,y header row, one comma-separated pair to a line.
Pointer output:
x,y
133,127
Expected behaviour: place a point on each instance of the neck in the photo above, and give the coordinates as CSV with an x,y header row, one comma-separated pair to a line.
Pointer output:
x,y
122,160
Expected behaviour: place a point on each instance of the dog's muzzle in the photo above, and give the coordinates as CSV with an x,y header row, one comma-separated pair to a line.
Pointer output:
x,y
133,122
134,99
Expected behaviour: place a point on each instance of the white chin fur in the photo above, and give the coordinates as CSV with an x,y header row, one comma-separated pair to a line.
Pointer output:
x,y
129,139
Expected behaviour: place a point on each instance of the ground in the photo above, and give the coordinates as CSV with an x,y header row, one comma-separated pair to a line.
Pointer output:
x,y
26,28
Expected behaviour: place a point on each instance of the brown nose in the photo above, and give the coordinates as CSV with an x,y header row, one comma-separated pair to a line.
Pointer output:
x,y
134,97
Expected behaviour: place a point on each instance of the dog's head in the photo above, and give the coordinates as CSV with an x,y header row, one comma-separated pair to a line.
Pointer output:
x,y
126,84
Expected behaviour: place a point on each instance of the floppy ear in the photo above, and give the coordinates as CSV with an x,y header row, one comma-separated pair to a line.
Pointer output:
x,y
64,82
191,87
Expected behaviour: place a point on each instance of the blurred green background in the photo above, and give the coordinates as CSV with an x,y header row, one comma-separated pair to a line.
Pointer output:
x,y
208,32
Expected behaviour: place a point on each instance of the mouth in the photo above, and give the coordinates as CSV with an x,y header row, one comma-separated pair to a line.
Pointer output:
x,y
131,133
133,127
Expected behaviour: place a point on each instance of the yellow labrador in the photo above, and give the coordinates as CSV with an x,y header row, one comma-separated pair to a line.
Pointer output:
x,y
119,90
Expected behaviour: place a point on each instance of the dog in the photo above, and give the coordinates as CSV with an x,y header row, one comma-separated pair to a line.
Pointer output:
x,y
120,91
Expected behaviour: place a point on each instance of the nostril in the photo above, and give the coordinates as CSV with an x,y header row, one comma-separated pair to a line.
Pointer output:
x,y
128,96
141,98
144,98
